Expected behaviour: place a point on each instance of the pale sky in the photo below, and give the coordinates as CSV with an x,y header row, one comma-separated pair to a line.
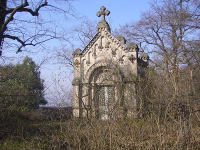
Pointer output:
x,y
58,77
122,11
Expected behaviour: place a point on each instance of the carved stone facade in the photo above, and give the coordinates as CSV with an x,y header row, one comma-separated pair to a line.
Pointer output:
x,y
105,73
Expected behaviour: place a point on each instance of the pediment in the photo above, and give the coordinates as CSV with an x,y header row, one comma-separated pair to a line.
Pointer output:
x,y
105,42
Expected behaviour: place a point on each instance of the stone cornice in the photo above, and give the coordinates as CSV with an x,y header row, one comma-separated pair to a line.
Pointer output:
x,y
91,43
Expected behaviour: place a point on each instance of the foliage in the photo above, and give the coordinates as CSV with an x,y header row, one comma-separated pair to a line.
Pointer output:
x,y
75,134
21,86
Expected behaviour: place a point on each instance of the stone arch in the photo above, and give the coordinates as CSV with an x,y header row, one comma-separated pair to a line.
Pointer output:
x,y
106,64
104,104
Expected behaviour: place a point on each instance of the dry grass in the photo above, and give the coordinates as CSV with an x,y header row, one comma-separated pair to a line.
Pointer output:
x,y
77,134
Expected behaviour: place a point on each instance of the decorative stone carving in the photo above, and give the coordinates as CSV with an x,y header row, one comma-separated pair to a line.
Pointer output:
x,y
121,60
103,24
76,63
103,12
132,58
132,47
114,52
77,52
107,45
144,56
100,43
94,51
121,39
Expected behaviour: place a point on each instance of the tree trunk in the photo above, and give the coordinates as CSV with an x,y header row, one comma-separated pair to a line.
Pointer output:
x,y
3,6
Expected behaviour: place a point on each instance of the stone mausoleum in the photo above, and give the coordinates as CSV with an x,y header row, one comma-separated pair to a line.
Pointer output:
x,y
105,74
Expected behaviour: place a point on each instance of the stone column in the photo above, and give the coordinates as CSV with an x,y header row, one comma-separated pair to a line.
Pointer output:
x,y
77,86
130,99
76,98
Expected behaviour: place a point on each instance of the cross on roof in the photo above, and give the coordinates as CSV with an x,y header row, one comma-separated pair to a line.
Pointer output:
x,y
103,12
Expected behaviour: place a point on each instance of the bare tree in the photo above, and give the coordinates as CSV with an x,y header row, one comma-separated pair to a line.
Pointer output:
x,y
167,30
85,31
170,32
20,25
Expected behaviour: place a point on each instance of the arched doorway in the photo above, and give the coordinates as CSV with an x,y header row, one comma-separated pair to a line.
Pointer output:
x,y
104,91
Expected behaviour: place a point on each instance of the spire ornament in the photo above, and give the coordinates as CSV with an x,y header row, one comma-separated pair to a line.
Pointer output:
x,y
103,24
102,13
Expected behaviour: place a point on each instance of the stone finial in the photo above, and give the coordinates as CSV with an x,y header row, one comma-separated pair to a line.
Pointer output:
x,y
102,13
144,56
121,39
132,47
103,24
77,52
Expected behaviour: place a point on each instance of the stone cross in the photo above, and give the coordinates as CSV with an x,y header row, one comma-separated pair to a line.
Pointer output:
x,y
103,12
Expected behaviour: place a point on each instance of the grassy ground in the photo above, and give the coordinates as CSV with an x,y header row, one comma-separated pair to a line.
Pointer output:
x,y
19,132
